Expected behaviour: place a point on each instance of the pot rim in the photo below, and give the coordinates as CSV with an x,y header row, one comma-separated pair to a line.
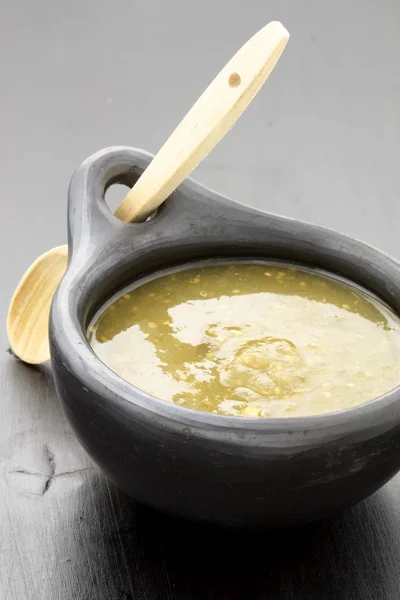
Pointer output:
x,y
70,345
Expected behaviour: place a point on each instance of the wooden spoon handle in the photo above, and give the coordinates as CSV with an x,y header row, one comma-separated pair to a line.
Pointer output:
x,y
214,113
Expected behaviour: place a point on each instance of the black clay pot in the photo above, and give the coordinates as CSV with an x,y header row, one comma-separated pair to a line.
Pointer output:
x,y
266,472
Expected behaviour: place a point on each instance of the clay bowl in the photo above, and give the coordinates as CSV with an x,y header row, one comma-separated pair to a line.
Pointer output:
x,y
226,470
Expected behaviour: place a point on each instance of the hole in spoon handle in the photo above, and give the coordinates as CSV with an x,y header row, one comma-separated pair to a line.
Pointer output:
x,y
234,80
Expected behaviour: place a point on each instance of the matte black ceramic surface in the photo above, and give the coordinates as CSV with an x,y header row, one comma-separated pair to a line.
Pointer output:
x,y
198,465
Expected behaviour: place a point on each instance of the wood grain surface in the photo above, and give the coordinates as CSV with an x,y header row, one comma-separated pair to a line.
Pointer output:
x,y
321,143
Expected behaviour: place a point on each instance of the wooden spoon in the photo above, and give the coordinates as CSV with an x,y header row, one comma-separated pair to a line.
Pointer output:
x,y
214,113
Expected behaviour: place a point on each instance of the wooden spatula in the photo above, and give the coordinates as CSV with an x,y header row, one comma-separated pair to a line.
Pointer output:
x,y
209,119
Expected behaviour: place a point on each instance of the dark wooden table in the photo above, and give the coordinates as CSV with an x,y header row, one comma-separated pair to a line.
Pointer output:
x,y
321,142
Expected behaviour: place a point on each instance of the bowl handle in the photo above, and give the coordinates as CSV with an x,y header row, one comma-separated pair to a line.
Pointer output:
x,y
89,217
192,214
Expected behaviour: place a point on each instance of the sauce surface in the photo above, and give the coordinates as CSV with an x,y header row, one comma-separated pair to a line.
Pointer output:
x,y
251,339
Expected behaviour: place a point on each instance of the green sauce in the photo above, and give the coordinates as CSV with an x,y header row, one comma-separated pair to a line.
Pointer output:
x,y
251,339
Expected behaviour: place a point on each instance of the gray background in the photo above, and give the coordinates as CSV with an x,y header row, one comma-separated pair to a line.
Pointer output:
x,y
320,142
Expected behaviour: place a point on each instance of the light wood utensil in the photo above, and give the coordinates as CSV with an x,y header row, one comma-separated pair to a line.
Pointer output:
x,y
209,119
